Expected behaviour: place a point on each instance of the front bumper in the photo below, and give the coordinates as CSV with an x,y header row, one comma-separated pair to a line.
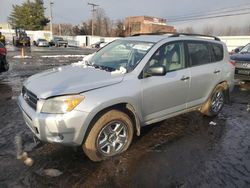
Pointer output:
x,y
55,128
242,77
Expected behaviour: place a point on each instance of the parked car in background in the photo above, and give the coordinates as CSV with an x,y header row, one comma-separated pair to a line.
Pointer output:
x,y
98,44
103,44
236,50
132,82
42,43
242,63
4,65
58,41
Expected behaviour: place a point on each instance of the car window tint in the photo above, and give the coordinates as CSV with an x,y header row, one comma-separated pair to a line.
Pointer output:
x,y
170,55
198,53
217,52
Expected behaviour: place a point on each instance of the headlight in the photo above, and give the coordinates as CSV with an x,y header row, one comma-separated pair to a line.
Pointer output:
x,y
61,105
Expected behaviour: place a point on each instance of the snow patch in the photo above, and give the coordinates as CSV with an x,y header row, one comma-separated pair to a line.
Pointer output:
x,y
122,70
59,56
21,57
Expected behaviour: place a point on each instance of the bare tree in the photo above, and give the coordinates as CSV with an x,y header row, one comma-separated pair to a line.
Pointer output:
x,y
188,29
66,29
103,25
208,30
119,30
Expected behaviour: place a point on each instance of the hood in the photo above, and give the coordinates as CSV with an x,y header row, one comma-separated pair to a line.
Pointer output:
x,y
241,57
72,79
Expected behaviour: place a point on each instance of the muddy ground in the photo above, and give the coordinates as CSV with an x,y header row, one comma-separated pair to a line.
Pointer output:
x,y
186,151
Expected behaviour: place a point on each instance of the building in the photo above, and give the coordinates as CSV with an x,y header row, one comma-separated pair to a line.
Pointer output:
x,y
146,24
5,26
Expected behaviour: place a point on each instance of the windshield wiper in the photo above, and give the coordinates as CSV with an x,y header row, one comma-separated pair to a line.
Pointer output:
x,y
103,67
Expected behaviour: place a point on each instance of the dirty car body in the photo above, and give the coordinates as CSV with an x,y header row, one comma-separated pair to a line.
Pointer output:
x,y
129,83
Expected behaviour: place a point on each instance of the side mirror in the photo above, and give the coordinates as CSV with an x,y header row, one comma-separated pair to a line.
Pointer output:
x,y
155,71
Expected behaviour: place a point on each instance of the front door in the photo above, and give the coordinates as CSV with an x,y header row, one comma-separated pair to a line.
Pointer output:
x,y
163,95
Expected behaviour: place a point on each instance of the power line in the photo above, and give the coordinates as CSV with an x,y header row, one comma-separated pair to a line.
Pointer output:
x,y
208,17
212,14
215,11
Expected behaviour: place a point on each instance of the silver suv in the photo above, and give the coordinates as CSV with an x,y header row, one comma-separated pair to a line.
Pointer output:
x,y
132,82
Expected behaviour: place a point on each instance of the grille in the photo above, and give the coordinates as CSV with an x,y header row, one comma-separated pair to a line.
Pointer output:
x,y
30,98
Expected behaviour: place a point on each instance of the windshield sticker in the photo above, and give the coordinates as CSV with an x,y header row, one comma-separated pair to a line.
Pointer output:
x,y
143,47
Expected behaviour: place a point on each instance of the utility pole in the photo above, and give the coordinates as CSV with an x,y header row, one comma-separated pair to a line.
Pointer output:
x,y
93,15
50,17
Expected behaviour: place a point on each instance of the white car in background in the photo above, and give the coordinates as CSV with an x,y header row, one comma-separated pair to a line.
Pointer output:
x,y
42,43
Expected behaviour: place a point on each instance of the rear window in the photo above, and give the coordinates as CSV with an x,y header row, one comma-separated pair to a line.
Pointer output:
x,y
199,53
217,52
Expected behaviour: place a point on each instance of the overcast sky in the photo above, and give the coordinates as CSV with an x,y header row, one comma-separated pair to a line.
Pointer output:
x,y
76,11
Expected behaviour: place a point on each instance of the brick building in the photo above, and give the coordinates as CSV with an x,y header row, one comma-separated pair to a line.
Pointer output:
x,y
146,24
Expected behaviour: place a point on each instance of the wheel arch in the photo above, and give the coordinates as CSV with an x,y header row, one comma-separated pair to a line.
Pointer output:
x,y
224,84
123,107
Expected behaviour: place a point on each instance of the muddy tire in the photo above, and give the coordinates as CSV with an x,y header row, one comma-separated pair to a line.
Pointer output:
x,y
215,102
110,135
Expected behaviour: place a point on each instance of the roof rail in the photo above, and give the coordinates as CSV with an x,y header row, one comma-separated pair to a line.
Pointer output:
x,y
156,33
193,34
175,34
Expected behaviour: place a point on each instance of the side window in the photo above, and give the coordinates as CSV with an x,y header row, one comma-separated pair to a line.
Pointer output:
x,y
170,55
217,52
198,53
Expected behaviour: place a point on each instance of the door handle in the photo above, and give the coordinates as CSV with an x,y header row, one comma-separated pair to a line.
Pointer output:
x,y
216,71
184,78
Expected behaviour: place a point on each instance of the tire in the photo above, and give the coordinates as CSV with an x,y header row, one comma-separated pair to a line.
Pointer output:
x,y
215,102
110,135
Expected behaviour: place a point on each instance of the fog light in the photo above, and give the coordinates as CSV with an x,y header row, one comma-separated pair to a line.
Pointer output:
x,y
58,138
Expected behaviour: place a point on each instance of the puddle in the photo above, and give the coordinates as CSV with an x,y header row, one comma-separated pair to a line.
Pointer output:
x,y
5,91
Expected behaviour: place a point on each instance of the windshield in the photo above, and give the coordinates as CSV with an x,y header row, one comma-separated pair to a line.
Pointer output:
x,y
120,54
246,49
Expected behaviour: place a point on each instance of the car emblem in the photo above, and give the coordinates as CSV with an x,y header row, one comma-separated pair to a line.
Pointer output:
x,y
25,96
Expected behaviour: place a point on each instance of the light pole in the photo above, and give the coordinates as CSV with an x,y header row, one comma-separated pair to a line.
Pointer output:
x,y
50,17
93,14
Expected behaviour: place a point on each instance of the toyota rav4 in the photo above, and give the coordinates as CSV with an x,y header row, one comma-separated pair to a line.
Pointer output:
x,y
132,82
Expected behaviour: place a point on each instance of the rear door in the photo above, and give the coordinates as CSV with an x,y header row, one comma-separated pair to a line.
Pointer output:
x,y
205,61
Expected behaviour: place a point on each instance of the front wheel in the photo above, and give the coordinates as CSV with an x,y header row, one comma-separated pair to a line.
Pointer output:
x,y
215,102
110,135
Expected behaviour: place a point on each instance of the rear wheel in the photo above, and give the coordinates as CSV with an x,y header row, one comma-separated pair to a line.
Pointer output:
x,y
111,134
215,102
